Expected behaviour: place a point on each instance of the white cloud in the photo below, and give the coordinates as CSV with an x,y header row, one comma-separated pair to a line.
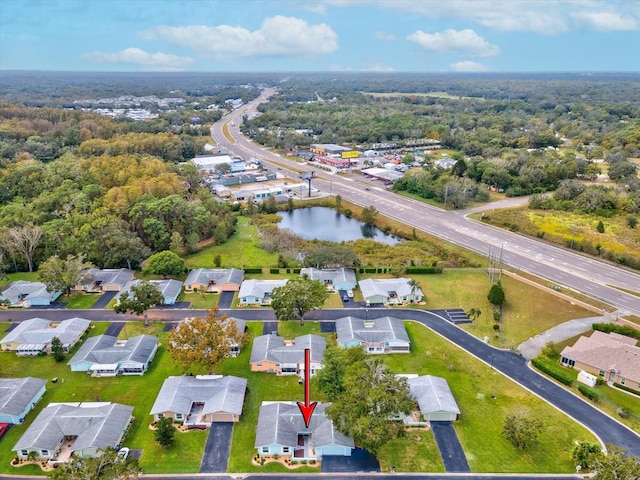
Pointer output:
x,y
278,36
547,17
385,37
462,42
146,61
606,21
468,66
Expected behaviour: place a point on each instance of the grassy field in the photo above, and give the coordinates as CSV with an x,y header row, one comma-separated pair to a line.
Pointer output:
x,y
240,251
479,428
526,312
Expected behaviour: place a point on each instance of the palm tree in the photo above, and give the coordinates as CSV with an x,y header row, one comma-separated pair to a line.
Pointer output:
x,y
414,284
473,314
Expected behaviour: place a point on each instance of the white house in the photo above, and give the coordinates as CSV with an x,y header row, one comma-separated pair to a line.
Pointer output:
x,y
23,293
106,356
258,292
389,291
375,335
34,336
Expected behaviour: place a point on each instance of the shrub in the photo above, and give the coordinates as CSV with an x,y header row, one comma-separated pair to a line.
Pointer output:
x,y
274,270
423,270
628,389
564,379
253,270
621,329
590,394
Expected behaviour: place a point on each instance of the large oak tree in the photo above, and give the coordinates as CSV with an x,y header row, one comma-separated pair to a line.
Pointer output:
x,y
297,297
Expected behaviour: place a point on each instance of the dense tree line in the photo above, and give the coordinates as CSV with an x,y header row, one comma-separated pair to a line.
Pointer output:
x,y
114,205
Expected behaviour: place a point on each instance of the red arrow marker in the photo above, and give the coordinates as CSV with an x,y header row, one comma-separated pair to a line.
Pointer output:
x,y
305,408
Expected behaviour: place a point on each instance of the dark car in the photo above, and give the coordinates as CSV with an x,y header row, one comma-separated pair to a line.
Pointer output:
x,y
345,298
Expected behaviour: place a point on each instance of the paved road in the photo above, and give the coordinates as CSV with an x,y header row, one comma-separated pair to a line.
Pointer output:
x,y
335,476
586,275
507,362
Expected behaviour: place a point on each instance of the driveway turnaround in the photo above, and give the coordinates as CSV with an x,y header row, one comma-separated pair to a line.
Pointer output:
x,y
104,299
359,461
450,449
216,451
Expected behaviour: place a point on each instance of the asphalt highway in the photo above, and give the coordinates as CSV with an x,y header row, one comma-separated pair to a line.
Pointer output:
x,y
563,267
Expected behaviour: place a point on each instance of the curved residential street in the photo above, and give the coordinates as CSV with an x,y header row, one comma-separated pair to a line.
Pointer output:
x,y
504,361
586,275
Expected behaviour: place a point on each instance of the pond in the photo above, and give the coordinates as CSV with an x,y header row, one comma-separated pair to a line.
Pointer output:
x,y
325,223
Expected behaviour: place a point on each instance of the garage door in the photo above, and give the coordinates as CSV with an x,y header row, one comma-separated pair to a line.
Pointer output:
x,y
441,417
335,450
222,417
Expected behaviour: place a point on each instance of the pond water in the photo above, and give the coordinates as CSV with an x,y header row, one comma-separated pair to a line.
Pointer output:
x,y
325,223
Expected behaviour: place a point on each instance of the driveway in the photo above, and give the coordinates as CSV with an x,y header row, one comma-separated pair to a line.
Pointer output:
x,y
104,299
269,327
114,329
451,451
216,451
359,461
225,300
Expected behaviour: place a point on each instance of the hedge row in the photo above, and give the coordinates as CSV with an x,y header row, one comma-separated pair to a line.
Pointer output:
x,y
628,389
564,379
587,392
621,329
418,270
253,270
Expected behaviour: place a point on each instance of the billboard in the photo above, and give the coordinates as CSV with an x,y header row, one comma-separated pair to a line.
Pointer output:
x,y
350,154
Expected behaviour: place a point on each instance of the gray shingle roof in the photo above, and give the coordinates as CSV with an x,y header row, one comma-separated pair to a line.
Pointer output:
x,y
258,288
281,422
338,275
27,289
97,425
168,288
103,349
118,276
273,348
17,393
432,394
384,329
382,286
39,331
219,394
204,275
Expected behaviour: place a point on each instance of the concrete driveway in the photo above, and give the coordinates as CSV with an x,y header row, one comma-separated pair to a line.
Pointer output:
x,y
451,451
216,451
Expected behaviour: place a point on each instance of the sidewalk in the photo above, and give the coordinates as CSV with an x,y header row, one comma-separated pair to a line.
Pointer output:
x,y
533,347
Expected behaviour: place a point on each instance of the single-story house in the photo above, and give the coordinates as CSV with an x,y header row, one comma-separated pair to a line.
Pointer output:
x,y
18,396
434,399
214,281
376,335
389,291
23,293
170,289
241,326
258,292
34,336
200,400
334,279
272,353
95,280
79,429
610,356
106,356
281,430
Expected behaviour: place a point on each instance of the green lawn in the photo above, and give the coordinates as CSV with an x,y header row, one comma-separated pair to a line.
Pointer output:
x,y
239,251
199,301
79,300
480,425
12,277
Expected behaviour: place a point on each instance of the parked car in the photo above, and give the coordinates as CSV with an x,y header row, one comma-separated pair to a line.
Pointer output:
x,y
350,293
345,298
3,428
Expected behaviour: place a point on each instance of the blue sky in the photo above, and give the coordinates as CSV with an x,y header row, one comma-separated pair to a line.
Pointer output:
x,y
323,35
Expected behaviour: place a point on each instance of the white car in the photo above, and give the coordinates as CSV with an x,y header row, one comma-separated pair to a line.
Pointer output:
x,y
350,293
123,453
